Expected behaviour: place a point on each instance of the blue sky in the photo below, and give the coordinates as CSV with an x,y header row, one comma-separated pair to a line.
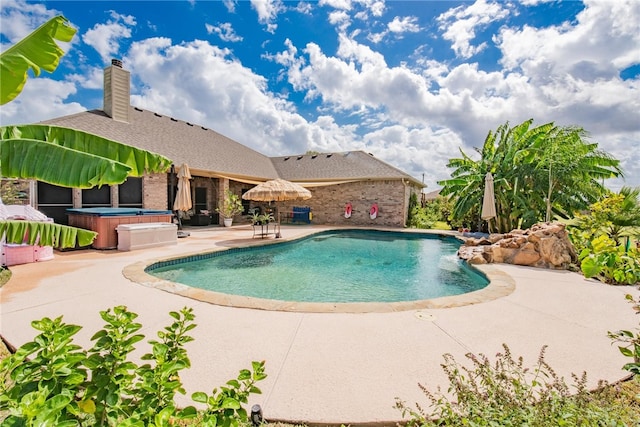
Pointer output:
x,y
411,82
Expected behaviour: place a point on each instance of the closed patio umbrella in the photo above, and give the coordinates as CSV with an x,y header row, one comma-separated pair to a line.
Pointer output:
x,y
277,190
182,201
489,200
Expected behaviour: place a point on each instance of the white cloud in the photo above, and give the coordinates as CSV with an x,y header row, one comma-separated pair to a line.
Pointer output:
x,y
105,38
340,19
403,25
605,39
460,24
268,11
336,4
91,78
230,5
200,83
20,18
225,31
41,99
304,8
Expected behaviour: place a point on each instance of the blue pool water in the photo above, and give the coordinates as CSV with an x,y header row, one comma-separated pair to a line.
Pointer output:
x,y
337,266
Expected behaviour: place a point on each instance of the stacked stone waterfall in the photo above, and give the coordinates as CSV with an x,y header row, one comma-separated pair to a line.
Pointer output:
x,y
544,245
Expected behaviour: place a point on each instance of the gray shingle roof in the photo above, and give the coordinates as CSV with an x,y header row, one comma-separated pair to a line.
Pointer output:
x,y
182,142
350,165
206,150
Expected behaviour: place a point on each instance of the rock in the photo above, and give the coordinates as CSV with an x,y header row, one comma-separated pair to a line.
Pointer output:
x,y
477,259
545,245
525,257
495,237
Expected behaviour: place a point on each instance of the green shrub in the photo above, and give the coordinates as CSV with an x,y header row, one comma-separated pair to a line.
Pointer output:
x,y
426,217
609,262
506,393
631,340
53,382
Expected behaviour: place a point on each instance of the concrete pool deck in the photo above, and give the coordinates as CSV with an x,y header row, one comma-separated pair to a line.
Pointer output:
x,y
329,368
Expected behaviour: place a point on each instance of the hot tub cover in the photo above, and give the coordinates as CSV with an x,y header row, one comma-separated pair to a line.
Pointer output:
x,y
117,211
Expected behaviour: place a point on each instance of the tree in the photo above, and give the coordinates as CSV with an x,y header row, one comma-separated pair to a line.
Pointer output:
x,y
536,170
60,156
572,169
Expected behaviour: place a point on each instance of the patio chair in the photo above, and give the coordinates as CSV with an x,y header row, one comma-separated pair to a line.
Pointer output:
x,y
302,214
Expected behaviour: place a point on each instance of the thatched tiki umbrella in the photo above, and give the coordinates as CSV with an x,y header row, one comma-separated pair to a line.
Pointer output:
x,y
277,190
183,196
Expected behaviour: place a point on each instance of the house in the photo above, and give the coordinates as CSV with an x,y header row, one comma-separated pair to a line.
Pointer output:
x,y
218,163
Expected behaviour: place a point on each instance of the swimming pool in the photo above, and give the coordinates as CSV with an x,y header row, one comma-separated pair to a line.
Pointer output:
x,y
340,266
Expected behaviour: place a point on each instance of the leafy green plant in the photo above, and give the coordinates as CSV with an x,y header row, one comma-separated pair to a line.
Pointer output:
x,y
428,215
257,218
631,341
616,216
53,382
610,263
108,394
231,205
41,390
224,406
506,393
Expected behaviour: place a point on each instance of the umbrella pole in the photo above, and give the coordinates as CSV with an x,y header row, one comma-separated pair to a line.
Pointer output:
x,y
172,184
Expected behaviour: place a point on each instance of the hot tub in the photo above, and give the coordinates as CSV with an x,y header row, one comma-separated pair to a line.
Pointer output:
x,y
105,221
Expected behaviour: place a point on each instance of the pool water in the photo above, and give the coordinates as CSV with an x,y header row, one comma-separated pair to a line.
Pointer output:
x,y
337,266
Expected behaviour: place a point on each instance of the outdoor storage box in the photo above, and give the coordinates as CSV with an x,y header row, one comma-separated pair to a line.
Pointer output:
x,y
146,235
104,221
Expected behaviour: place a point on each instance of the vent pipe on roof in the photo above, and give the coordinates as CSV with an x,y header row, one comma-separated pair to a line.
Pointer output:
x,y
117,91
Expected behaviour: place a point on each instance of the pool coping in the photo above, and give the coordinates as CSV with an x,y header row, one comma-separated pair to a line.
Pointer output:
x,y
500,285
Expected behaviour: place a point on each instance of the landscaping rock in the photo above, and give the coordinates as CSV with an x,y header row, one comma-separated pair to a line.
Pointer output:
x,y
544,245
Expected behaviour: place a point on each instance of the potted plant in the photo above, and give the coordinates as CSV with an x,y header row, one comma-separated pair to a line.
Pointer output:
x,y
261,219
231,206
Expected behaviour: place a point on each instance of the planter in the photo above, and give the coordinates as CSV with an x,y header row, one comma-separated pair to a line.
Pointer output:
x,y
228,222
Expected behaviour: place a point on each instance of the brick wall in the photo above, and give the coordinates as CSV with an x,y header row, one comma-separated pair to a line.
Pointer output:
x,y
328,203
154,190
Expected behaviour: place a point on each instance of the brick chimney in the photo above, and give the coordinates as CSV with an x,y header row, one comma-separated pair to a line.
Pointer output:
x,y
117,91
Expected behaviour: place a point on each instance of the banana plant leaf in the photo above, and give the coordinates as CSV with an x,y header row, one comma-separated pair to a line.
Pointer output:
x,y
45,234
32,159
139,161
36,51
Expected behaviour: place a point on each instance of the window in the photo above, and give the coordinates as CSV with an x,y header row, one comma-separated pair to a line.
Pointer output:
x,y
130,193
54,201
201,200
96,197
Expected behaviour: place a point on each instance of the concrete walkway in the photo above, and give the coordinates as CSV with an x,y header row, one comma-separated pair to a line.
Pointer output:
x,y
329,368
